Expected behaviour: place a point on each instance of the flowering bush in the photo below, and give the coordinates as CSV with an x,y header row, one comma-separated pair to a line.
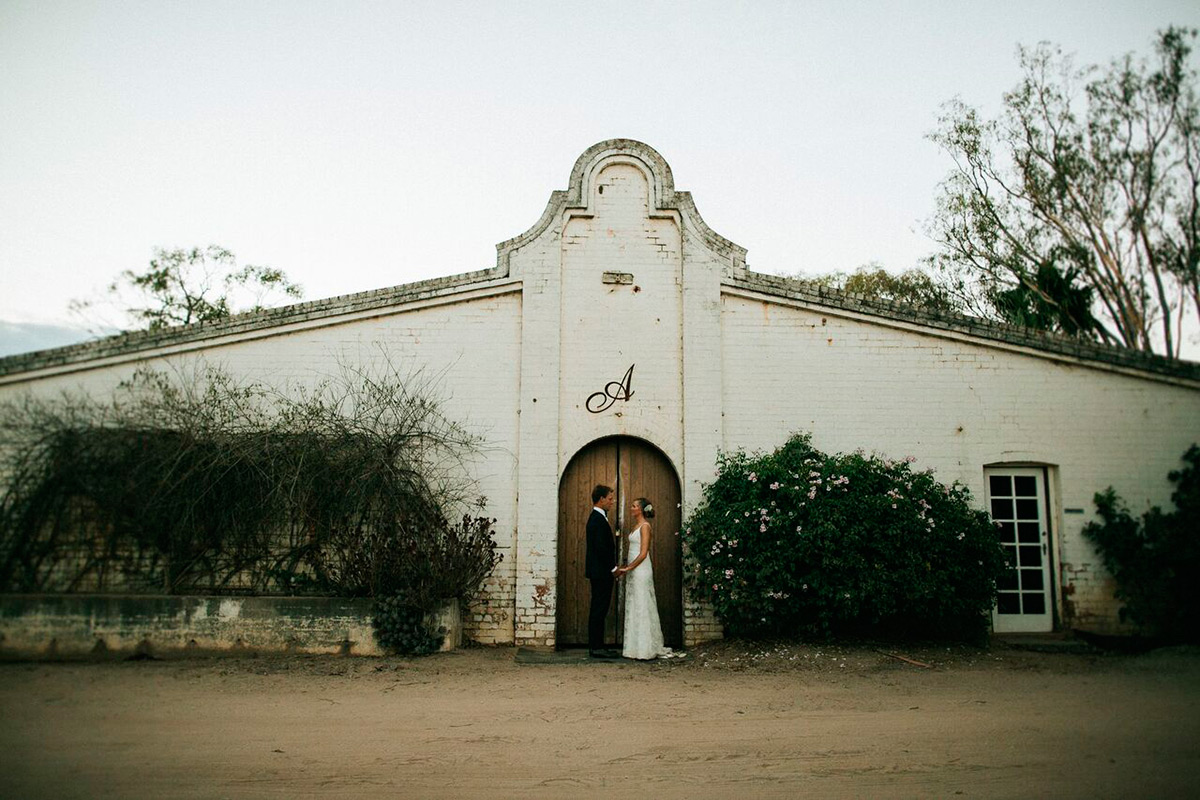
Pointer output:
x,y
801,542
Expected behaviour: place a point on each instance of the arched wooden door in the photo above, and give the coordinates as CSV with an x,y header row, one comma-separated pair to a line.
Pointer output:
x,y
635,469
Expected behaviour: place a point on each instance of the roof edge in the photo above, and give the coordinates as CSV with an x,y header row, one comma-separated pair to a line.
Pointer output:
x,y
138,341
1049,343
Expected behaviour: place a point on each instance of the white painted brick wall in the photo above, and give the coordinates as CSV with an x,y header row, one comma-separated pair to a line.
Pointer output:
x,y
957,407
520,348
580,334
470,350
606,328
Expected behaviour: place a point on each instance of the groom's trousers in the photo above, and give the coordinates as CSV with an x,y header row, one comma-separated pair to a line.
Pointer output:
x,y
602,589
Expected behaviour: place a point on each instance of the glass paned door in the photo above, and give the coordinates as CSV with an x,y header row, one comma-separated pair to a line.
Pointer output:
x,y
1016,500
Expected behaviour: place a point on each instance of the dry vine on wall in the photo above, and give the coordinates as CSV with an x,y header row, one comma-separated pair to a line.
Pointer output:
x,y
185,483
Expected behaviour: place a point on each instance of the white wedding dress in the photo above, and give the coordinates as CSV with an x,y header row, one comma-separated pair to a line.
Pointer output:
x,y
643,632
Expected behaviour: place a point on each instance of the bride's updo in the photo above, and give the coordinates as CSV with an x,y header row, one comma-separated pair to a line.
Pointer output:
x,y
647,509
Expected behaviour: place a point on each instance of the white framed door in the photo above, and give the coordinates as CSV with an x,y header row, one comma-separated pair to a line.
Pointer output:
x,y
1016,501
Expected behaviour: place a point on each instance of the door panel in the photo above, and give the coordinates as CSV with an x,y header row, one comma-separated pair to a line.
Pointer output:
x,y
592,465
1016,499
634,468
646,472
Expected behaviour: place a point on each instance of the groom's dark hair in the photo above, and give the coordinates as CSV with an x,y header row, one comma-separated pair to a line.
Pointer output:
x,y
600,491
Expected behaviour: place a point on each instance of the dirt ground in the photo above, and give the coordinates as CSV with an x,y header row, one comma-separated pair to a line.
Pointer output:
x,y
731,720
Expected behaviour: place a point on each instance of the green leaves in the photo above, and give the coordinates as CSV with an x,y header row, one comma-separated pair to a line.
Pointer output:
x,y
799,541
1156,559
1076,209
402,627
186,286
912,288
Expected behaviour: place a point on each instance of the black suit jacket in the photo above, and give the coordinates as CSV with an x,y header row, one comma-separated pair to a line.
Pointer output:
x,y
601,548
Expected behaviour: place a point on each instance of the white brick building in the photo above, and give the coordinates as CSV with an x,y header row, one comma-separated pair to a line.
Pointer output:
x,y
620,270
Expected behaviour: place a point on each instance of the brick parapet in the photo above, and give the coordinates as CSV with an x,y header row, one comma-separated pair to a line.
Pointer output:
x,y
736,276
328,309
810,293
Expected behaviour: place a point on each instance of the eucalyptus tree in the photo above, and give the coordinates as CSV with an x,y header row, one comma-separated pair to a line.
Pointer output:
x,y
1076,208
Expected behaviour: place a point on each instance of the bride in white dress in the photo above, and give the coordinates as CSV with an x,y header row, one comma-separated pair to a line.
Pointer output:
x,y
643,631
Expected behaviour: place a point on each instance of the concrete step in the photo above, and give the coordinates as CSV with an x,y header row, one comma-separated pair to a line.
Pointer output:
x,y
1056,642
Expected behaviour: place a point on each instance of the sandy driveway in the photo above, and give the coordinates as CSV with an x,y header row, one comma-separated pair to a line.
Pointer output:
x,y
728,722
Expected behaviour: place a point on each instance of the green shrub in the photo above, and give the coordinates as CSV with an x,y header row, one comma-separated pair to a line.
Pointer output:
x,y
401,626
419,576
801,542
1155,560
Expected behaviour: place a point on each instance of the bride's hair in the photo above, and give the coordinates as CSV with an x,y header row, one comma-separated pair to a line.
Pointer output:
x,y
647,509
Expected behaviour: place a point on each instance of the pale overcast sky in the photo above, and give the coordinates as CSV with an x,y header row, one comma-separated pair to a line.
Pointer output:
x,y
360,145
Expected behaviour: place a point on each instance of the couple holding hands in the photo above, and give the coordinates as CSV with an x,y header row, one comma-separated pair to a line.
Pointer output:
x,y
643,631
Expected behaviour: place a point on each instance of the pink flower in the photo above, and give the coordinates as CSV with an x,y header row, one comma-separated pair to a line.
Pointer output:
x,y
728,573
762,528
775,485
753,477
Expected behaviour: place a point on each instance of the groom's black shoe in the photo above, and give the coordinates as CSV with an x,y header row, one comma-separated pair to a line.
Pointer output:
x,y
604,655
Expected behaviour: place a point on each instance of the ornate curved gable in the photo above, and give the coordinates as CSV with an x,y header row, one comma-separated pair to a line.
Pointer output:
x,y
578,199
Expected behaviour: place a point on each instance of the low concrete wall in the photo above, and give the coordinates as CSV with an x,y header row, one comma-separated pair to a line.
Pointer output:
x,y
72,625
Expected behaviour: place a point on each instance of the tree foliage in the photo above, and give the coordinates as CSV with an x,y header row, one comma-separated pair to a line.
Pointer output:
x,y
912,287
181,287
1076,209
1156,559
803,542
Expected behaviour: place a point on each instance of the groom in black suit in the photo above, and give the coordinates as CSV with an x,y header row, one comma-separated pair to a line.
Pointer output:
x,y
599,566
